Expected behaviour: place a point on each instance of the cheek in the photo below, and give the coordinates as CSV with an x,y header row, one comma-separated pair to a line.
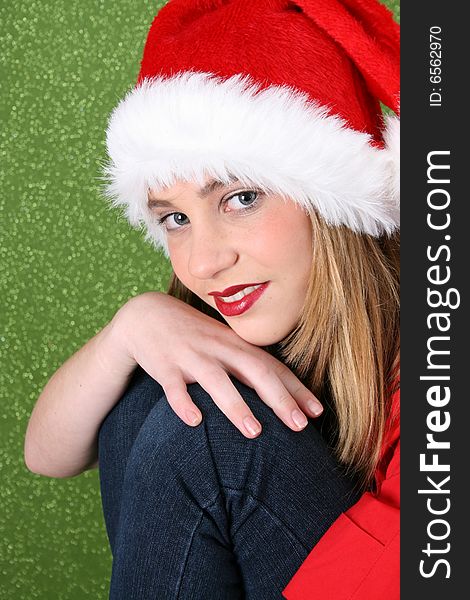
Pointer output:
x,y
285,243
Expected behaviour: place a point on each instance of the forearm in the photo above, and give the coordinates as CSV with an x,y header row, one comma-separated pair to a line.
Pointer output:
x,y
61,437
170,341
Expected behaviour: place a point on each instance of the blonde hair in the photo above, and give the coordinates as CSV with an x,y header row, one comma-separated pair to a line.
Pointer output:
x,y
346,345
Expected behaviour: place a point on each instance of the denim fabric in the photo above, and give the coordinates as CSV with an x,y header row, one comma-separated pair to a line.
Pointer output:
x,y
204,513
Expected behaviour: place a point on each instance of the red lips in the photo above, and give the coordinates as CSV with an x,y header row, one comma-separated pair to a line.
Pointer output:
x,y
233,289
238,307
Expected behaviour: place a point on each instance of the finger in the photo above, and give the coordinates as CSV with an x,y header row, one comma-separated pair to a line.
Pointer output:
x,y
275,395
178,398
254,370
217,384
289,407
306,400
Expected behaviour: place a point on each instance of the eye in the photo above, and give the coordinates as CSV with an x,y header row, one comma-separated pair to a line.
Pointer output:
x,y
173,221
241,200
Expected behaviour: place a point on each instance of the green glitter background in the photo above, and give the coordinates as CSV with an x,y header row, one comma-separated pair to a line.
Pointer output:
x,y
67,263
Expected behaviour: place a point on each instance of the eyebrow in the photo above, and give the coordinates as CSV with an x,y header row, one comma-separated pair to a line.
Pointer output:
x,y
211,186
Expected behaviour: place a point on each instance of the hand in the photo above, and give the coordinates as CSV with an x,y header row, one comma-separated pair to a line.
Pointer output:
x,y
177,345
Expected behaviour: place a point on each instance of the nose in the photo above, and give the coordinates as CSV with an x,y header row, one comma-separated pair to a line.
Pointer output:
x,y
212,251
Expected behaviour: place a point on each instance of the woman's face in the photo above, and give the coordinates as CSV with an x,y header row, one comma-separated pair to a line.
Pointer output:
x,y
245,253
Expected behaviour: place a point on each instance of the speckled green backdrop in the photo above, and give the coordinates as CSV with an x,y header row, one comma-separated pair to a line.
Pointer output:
x,y
66,264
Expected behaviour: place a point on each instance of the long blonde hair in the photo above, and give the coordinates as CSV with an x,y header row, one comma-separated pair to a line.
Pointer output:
x,y
346,345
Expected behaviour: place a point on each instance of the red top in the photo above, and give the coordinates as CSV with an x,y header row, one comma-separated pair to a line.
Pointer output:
x,y
358,558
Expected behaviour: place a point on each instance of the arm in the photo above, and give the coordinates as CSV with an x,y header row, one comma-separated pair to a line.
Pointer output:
x,y
61,437
169,339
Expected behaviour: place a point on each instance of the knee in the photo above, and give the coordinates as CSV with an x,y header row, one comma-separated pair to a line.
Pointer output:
x,y
169,454
215,455
282,466
205,458
164,435
277,443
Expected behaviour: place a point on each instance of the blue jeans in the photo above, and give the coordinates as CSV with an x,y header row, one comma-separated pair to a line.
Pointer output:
x,y
204,513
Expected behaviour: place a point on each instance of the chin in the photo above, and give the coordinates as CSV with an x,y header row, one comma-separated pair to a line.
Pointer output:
x,y
259,336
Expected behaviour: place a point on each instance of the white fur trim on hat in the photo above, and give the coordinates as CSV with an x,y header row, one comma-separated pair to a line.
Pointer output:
x,y
196,125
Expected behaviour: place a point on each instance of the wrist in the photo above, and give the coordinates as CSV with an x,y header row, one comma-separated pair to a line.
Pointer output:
x,y
124,332
112,351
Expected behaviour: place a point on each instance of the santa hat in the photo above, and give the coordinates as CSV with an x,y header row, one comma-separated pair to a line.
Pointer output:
x,y
283,95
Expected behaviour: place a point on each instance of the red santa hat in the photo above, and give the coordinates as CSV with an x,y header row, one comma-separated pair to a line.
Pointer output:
x,y
280,94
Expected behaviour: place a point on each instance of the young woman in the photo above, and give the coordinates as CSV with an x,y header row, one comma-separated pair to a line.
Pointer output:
x,y
253,151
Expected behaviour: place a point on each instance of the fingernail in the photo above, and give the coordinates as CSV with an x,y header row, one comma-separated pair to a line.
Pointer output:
x,y
251,425
193,418
299,418
315,407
